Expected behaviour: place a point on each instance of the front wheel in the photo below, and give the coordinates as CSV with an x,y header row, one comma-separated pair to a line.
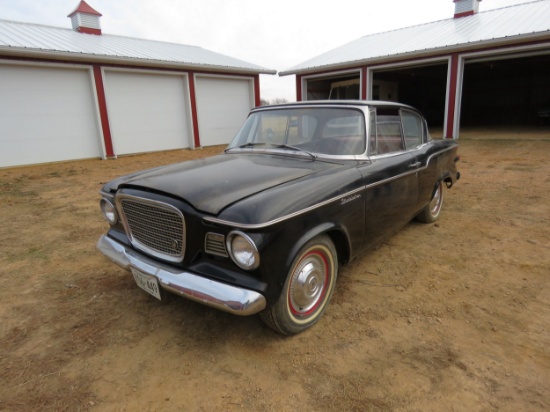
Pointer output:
x,y
431,211
307,289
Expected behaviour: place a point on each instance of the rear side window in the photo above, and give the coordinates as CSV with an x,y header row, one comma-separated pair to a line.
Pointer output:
x,y
393,130
388,137
412,129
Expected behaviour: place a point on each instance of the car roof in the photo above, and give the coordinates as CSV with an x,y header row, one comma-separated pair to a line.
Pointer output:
x,y
339,103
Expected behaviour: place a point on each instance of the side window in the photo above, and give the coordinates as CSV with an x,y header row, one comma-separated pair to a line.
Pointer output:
x,y
388,131
412,129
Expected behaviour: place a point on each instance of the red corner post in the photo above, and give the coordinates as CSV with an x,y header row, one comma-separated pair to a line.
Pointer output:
x,y
298,88
194,113
257,99
102,102
451,96
364,83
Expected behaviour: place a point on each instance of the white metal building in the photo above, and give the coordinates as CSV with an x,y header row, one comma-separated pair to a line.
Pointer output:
x,y
477,68
73,94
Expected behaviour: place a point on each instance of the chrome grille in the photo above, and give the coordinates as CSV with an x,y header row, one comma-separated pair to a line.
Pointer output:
x,y
154,227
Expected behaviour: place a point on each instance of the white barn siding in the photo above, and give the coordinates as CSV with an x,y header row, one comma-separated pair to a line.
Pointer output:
x,y
147,111
222,105
47,114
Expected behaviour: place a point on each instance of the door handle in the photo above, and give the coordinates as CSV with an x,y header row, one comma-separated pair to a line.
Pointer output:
x,y
414,165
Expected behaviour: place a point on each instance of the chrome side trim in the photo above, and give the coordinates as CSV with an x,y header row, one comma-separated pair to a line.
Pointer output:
x,y
282,218
252,226
107,195
228,298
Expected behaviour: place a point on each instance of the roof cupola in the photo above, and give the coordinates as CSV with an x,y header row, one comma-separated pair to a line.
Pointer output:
x,y
465,8
85,19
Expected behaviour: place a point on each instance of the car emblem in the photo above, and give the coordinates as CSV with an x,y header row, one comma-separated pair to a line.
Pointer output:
x,y
175,244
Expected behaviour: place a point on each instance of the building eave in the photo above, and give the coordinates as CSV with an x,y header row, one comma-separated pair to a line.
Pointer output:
x,y
80,58
418,54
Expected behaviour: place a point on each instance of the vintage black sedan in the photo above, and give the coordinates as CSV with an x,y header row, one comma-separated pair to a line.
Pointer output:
x,y
263,227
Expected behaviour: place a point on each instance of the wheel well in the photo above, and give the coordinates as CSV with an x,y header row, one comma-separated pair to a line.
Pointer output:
x,y
341,244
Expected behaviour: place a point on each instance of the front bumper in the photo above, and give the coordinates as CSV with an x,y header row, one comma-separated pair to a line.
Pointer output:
x,y
232,299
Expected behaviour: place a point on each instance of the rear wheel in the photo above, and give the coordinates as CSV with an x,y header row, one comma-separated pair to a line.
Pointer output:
x,y
431,211
307,289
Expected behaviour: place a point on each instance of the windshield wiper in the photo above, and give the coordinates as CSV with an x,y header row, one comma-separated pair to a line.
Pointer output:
x,y
246,145
286,146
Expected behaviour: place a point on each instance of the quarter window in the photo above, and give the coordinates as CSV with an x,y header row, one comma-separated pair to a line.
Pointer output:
x,y
412,129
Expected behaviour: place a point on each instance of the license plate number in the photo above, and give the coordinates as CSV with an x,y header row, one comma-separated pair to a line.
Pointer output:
x,y
146,282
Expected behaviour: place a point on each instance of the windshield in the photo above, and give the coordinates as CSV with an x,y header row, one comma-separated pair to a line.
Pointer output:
x,y
318,130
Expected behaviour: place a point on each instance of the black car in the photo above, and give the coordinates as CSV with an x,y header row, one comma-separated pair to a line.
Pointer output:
x,y
263,227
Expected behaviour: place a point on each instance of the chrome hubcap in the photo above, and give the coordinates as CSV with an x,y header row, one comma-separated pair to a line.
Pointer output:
x,y
435,204
308,284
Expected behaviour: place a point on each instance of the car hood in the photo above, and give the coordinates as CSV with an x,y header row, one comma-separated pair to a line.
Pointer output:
x,y
212,184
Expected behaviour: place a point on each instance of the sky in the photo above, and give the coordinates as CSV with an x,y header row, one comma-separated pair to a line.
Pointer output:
x,y
275,34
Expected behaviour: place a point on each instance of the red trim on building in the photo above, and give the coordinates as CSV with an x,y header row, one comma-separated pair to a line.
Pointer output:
x,y
194,112
364,83
84,7
257,99
88,30
298,88
464,14
104,117
451,102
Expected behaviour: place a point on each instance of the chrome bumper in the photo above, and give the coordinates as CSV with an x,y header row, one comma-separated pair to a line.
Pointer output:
x,y
232,299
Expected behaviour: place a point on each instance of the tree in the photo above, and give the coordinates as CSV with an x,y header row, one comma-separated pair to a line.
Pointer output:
x,y
278,100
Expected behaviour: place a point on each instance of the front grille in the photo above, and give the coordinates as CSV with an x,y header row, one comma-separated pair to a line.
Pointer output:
x,y
154,227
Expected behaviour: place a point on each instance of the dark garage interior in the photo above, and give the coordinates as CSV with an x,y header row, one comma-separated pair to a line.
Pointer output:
x,y
495,93
505,92
423,87
344,87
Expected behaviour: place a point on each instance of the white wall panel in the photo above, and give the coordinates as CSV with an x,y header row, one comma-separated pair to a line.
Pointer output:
x,y
147,111
222,106
47,114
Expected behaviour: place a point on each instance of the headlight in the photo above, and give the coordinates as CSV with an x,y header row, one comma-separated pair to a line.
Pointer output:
x,y
243,251
109,211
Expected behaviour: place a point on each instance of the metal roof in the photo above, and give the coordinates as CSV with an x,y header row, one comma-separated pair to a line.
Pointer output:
x,y
34,40
527,21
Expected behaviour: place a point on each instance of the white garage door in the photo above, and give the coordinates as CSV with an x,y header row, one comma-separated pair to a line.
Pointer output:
x,y
47,114
147,112
222,107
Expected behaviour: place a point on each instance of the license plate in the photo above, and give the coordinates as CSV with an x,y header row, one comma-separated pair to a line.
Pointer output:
x,y
148,283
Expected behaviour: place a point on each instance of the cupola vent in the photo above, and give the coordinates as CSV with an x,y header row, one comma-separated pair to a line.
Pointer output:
x,y
85,19
465,8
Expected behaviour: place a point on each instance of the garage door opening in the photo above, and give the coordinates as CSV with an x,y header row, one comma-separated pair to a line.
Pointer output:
x,y
423,87
345,87
506,92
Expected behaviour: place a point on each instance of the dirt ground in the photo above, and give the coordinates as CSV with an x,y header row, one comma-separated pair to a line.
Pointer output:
x,y
452,316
